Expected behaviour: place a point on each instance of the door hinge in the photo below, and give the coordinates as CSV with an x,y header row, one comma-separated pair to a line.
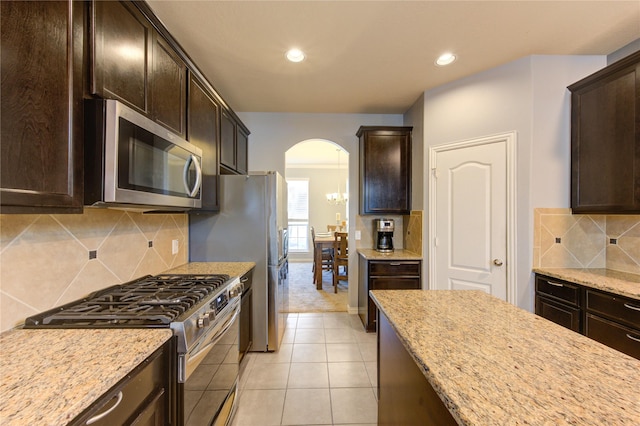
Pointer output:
x,y
436,241
434,171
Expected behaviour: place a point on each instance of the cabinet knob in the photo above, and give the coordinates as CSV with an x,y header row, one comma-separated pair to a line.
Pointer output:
x,y
497,262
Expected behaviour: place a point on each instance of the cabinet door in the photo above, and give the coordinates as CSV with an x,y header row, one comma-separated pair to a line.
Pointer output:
x,y
121,53
242,142
605,140
227,141
560,313
616,336
41,106
168,87
385,168
203,132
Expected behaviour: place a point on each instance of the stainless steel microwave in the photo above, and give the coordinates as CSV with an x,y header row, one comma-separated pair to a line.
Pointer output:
x,y
131,162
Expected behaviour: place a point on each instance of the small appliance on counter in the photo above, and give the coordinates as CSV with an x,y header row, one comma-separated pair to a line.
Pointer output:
x,y
384,235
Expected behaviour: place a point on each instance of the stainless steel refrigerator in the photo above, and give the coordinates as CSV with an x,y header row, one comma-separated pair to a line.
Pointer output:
x,y
251,227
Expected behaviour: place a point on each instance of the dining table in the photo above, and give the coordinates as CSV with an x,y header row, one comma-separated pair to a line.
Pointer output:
x,y
322,241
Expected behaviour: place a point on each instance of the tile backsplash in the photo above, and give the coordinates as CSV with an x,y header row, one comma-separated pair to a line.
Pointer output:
x,y
49,260
565,240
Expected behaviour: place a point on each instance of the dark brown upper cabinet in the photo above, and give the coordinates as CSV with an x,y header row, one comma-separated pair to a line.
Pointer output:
x,y
234,139
385,170
133,63
605,140
203,125
41,106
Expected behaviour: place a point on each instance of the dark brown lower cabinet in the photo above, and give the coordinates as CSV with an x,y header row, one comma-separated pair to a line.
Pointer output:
x,y
384,275
405,397
610,319
145,397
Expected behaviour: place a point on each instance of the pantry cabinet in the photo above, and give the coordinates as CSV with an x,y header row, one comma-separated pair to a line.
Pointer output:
x,y
41,119
605,140
385,170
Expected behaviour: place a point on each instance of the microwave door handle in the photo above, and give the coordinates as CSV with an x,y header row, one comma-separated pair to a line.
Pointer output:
x,y
192,192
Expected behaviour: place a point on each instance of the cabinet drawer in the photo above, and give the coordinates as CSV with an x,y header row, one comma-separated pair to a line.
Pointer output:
x,y
395,283
557,289
616,336
614,307
400,267
560,313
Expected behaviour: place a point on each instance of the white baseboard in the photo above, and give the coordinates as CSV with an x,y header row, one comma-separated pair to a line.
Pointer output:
x,y
352,309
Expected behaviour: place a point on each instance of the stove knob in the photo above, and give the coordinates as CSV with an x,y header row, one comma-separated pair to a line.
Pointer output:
x,y
203,321
211,315
236,291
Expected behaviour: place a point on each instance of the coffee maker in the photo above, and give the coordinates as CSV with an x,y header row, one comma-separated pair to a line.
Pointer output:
x,y
384,235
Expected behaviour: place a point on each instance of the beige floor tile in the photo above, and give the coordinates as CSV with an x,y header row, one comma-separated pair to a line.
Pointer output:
x,y
372,371
289,335
354,405
339,335
341,352
310,335
369,351
274,376
259,408
309,352
308,375
282,355
348,375
310,322
338,321
307,407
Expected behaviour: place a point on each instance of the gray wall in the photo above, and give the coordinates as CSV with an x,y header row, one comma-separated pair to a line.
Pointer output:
x,y
528,96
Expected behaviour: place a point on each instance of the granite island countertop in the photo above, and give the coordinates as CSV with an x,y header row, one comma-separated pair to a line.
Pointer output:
x,y
399,254
48,377
492,363
232,269
616,282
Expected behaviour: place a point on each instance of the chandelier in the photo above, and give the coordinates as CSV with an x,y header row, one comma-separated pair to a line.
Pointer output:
x,y
338,197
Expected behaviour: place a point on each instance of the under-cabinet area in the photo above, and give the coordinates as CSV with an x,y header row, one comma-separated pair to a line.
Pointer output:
x,y
609,317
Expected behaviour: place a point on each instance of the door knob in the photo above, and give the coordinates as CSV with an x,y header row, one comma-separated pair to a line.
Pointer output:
x,y
497,262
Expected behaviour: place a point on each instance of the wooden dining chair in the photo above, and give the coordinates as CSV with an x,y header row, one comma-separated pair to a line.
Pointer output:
x,y
327,254
340,258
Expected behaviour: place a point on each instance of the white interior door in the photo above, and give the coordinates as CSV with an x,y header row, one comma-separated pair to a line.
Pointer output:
x,y
472,203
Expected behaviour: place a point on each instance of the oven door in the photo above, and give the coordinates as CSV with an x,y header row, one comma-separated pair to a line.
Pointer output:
x,y
209,391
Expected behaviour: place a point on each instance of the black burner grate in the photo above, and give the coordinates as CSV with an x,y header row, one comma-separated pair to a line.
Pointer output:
x,y
148,301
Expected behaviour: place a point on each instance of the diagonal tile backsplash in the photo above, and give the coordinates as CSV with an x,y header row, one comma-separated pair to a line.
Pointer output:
x,y
49,260
565,240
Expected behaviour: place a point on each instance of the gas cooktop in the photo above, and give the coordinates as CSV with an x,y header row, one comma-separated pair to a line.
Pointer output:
x,y
150,301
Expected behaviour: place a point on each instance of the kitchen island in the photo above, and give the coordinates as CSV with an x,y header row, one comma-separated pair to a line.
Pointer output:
x,y
478,360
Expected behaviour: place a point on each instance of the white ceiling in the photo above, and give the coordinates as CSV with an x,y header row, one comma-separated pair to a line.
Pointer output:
x,y
378,56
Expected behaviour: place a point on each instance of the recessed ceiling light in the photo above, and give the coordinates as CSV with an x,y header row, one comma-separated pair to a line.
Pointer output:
x,y
295,55
445,59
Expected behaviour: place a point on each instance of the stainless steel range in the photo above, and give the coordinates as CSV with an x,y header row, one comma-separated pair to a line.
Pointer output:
x,y
202,311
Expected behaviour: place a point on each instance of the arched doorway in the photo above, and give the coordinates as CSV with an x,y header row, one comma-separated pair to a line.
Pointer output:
x,y
317,173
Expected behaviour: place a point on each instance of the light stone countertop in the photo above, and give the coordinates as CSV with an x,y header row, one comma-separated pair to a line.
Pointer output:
x,y
400,254
620,283
48,377
233,269
492,363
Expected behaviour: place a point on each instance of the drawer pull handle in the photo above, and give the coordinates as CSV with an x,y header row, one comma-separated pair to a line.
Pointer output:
x,y
395,263
635,339
555,284
635,308
106,413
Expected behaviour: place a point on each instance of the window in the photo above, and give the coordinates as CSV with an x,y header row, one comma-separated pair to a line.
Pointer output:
x,y
298,210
